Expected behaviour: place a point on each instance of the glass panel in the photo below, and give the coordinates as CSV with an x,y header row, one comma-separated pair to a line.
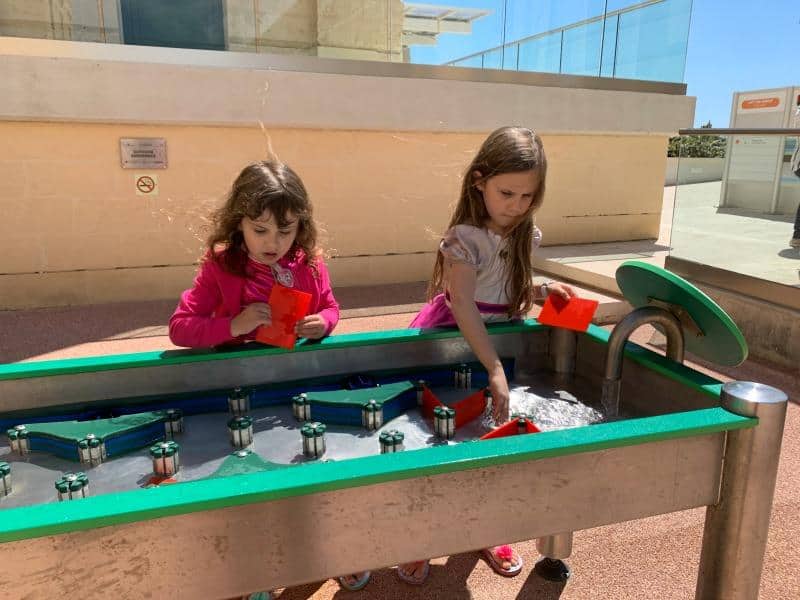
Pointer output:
x,y
581,51
652,41
493,59
475,61
731,211
541,54
456,33
609,56
511,57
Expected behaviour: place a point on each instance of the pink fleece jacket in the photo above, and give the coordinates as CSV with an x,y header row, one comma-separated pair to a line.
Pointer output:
x,y
204,314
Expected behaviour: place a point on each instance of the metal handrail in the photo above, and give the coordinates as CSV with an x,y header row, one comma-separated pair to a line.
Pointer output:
x,y
742,131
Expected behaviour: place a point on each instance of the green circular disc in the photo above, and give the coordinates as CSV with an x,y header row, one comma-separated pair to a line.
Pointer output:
x,y
721,341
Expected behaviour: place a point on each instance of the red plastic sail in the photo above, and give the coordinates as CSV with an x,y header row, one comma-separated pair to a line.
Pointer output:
x,y
575,313
288,307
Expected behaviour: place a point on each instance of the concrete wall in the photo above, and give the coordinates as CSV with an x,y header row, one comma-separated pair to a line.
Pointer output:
x,y
693,170
382,158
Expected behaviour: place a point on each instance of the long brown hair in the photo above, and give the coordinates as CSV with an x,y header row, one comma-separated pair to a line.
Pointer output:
x,y
506,150
266,185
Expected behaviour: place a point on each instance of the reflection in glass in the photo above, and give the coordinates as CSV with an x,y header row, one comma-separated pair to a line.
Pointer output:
x,y
735,204
608,38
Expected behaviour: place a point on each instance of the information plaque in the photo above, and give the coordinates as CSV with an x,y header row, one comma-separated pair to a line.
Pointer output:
x,y
143,153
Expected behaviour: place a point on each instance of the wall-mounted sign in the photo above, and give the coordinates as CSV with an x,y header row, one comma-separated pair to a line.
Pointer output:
x,y
143,153
753,158
749,103
146,184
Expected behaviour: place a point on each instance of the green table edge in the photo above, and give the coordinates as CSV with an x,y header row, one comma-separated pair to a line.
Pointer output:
x,y
71,366
68,366
144,504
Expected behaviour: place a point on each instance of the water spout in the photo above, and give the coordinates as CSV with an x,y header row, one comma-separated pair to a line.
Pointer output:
x,y
646,315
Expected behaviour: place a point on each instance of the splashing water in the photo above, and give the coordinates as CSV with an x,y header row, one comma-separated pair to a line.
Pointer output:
x,y
558,410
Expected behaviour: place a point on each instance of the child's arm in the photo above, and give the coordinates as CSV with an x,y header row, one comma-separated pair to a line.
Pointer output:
x,y
192,324
322,322
461,279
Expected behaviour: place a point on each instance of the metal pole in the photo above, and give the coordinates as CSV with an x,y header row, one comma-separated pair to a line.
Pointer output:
x,y
735,536
555,548
563,345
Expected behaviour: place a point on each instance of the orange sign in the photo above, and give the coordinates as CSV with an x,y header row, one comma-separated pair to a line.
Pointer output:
x,y
761,103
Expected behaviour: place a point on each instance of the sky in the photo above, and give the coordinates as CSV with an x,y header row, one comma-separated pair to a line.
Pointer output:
x,y
740,45
734,45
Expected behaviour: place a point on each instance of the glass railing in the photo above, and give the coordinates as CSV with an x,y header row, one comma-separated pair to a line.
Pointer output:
x,y
735,209
610,38
644,40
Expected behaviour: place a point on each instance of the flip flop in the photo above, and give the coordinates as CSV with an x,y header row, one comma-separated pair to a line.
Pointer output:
x,y
359,583
506,554
410,578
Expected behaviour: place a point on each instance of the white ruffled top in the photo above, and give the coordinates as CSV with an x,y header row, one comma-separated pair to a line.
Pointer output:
x,y
483,250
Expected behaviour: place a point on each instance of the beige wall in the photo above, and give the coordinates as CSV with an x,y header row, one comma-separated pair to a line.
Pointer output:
x,y
75,231
382,151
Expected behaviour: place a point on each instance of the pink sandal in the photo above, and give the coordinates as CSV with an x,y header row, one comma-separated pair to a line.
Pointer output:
x,y
500,556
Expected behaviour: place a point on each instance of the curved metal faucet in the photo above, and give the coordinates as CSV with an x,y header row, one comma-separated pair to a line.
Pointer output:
x,y
646,315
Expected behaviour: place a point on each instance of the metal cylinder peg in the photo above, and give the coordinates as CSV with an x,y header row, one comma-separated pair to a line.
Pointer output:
x,y
391,441
444,422
313,439
487,420
72,486
301,407
91,450
372,415
468,378
460,377
18,439
522,423
166,458
173,422
241,431
239,402
419,386
5,479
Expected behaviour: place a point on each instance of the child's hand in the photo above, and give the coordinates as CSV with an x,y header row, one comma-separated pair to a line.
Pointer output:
x,y
311,327
561,289
251,317
499,388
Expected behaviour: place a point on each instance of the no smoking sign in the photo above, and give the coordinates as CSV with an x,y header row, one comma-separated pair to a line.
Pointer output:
x,y
146,184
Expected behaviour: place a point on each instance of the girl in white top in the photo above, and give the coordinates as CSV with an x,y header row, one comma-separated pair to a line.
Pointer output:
x,y
483,270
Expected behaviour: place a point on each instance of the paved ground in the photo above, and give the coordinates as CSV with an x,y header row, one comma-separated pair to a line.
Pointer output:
x,y
651,558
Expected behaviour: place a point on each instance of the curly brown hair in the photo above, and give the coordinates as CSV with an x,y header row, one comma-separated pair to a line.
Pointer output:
x,y
506,150
266,185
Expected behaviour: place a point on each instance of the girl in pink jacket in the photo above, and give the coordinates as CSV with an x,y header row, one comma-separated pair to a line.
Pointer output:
x,y
263,236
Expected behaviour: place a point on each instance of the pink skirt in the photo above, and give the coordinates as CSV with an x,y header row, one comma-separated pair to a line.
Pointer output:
x,y
437,314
